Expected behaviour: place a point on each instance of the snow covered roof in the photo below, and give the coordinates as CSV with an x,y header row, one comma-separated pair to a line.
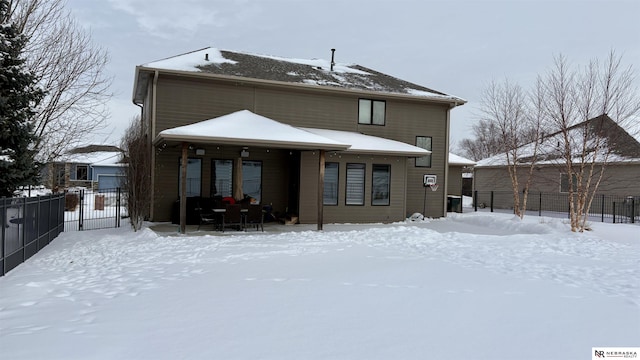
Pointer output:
x,y
316,72
459,160
98,158
614,142
248,129
367,144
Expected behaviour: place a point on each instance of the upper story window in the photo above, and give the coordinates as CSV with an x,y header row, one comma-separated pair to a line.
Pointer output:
x,y
371,112
425,143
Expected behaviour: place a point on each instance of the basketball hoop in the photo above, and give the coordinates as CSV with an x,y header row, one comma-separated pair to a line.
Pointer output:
x,y
434,187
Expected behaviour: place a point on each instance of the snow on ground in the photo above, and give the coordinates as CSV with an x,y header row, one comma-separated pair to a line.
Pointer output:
x,y
471,286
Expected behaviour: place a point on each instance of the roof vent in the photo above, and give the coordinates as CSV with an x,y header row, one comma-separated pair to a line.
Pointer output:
x,y
206,57
333,52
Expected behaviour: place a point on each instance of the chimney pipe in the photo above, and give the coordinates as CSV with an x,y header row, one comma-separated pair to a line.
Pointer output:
x,y
333,52
206,57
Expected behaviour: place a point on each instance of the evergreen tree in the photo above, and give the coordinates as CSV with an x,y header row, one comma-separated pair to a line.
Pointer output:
x,y
19,95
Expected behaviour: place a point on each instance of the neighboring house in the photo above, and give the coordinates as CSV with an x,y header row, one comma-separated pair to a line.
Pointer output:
x,y
622,173
459,167
262,126
97,167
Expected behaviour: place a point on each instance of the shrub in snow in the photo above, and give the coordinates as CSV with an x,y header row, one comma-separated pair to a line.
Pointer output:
x,y
416,217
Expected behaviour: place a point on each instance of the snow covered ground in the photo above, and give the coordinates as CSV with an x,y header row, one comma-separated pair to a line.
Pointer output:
x,y
471,286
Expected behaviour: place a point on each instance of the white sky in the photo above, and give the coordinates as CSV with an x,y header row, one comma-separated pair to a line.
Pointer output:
x,y
456,47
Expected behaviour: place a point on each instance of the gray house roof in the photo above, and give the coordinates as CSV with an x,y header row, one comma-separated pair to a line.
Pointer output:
x,y
315,73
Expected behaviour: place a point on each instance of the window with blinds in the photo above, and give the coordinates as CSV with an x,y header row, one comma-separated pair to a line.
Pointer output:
x,y
355,184
252,180
222,177
331,170
194,177
380,184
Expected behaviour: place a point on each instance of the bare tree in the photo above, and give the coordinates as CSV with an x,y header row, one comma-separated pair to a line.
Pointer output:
x,y
72,70
506,107
484,144
137,174
582,104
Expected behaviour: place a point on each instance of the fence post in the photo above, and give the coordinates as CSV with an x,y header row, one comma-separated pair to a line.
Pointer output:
x,y
3,214
24,225
614,212
491,200
475,200
602,211
118,208
540,204
81,209
38,220
633,210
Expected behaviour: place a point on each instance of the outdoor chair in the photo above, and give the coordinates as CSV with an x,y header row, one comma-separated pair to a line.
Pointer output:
x,y
206,216
255,217
232,216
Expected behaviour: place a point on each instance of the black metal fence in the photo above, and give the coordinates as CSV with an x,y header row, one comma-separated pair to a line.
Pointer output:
x,y
28,225
89,210
604,208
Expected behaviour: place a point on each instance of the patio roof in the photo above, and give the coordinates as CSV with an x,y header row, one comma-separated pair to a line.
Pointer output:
x,y
367,144
249,129
245,128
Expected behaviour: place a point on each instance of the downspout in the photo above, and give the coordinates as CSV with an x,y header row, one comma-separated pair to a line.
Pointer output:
x,y
446,163
152,132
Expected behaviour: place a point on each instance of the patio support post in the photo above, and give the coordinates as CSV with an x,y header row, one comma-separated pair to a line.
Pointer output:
x,y
320,188
183,189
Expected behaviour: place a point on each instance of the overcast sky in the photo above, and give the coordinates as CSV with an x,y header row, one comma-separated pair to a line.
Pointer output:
x,y
456,47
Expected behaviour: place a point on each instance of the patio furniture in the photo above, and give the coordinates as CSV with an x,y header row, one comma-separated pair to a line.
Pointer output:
x,y
255,217
209,219
232,216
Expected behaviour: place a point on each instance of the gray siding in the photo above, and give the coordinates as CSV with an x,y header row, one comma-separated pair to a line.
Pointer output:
x,y
617,180
342,213
454,183
186,100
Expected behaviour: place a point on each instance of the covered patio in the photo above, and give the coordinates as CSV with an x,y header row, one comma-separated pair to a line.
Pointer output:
x,y
243,132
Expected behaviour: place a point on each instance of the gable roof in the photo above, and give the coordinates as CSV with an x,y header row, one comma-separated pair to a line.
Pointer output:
x,y
316,73
620,146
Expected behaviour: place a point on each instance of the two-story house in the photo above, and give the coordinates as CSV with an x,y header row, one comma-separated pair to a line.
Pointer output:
x,y
326,141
